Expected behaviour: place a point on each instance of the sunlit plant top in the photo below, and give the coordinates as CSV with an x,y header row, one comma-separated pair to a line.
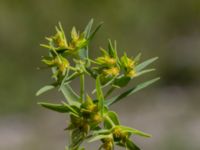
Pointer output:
x,y
90,116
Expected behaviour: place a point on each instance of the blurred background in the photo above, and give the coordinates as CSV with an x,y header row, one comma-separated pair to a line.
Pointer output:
x,y
170,29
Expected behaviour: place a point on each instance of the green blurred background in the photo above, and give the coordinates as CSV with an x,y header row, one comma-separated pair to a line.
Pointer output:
x,y
170,29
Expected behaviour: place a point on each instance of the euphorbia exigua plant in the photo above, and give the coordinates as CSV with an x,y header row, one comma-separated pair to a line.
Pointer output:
x,y
90,116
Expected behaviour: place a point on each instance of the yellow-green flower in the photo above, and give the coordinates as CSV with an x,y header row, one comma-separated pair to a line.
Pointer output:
x,y
132,73
117,132
96,118
113,71
61,63
77,40
119,135
129,66
59,42
106,60
108,144
107,64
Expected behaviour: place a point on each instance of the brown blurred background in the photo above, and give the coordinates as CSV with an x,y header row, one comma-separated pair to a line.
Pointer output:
x,y
169,109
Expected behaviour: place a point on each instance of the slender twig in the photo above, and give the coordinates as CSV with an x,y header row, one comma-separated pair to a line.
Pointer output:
x,y
82,88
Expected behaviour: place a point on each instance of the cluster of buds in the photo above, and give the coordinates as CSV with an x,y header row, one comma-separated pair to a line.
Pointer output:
x,y
59,62
90,117
107,65
59,43
129,66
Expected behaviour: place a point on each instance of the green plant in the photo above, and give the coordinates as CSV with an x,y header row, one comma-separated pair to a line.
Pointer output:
x,y
91,118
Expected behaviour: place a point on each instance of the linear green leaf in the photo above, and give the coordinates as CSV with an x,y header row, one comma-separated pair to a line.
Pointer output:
x,y
99,137
95,31
134,131
114,117
144,72
88,28
137,57
57,107
102,131
45,89
131,91
131,146
145,64
70,95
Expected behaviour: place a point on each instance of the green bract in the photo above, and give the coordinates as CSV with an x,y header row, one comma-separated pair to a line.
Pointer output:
x,y
90,116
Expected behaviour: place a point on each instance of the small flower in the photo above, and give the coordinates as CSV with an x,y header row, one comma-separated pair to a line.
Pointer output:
x,y
119,135
89,105
117,132
78,41
58,42
106,60
129,66
108,144
96,118
61,63
132,73
114,71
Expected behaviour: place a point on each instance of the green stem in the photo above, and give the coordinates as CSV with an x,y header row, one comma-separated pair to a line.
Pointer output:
x,y
82,90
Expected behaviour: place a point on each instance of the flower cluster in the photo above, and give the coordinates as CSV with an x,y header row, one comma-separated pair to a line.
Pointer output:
x,y
90,116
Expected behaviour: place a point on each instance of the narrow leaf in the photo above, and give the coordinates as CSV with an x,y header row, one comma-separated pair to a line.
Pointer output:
x,y
122,81
45,89
144,71
131,146
71,108
114,117
88,28
145,64
108,123
137,58
134,131
56,107
99,137
95,31
70,95
131,91
102,131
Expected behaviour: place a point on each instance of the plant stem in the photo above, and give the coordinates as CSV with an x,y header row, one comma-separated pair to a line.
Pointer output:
x,y
82,84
